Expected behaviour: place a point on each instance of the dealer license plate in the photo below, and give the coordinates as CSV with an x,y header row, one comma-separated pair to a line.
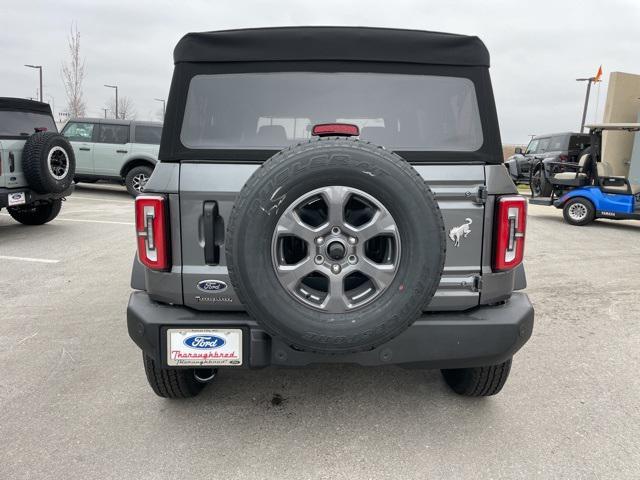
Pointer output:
x,y
18,198
204,347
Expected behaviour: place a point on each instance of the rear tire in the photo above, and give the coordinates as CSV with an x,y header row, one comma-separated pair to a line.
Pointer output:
x,y
478,381
173,382
540,186
36,214
136,179
578,211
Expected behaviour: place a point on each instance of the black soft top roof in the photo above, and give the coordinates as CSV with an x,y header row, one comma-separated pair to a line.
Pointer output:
x,y
9,103
332,43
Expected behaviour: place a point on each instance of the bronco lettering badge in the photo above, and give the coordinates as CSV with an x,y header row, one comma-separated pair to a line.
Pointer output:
x,y
212,286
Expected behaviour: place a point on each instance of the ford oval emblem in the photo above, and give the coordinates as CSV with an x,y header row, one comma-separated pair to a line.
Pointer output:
x,y
204,341
212,286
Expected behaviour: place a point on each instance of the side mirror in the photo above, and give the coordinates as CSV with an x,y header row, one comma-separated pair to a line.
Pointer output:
x,y
518,151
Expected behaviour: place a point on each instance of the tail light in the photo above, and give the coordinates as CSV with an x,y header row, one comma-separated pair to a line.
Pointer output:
x,y
510,226
152,231
564,158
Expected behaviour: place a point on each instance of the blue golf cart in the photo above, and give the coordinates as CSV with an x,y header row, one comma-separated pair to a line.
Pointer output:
x,y
585,190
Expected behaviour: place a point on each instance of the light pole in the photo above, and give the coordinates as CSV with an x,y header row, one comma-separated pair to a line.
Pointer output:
x,y
164,103
39,67
116,87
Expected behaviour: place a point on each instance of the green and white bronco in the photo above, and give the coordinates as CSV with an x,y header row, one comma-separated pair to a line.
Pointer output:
x,y
124,151
37,164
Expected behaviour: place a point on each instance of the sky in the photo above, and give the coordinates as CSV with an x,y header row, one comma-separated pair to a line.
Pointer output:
x,y
537,49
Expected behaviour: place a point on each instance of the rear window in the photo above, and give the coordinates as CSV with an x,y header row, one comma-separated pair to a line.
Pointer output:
x,y
21,123
147,134
267,110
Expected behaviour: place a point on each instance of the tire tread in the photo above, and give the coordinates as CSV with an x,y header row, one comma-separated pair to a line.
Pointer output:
x,y
478,381
170,382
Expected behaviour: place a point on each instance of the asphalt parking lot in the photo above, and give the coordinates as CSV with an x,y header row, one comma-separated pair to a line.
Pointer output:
x,y
74,402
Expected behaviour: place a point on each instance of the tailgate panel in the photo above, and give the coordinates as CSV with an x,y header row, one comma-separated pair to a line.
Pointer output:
x,y
457,189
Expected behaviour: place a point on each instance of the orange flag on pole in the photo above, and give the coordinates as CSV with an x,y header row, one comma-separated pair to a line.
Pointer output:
x,y
598,76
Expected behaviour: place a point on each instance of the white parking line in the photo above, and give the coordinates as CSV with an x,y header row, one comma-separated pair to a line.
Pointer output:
x,y
27,259
104,200
82,220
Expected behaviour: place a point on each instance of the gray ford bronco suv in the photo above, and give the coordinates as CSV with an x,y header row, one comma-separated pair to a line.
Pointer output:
x,y
329,195
37,164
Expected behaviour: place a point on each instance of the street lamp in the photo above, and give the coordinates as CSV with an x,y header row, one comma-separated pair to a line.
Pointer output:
x,y
39,67
164,103
116,87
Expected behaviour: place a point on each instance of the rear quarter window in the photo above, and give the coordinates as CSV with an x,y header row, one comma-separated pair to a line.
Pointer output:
x,y
147,134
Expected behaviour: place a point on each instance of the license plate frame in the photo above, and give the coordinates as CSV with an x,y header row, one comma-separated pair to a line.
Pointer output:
x,y
197,348
16,198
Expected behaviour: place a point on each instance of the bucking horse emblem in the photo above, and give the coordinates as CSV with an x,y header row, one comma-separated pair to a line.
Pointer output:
x,y
463,231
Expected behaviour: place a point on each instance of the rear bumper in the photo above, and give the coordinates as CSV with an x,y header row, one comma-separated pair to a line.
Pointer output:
x,y
30,195
481,336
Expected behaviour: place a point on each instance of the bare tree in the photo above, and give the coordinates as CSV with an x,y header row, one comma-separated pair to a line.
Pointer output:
x,y
73,74
126,108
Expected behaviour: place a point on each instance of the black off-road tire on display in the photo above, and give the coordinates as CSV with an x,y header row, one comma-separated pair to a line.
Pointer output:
x,y
48,162
37,213
478,381
578,211
134,179
349,165
174,382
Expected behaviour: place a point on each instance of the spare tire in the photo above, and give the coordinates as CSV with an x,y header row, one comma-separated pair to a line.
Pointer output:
x,y
48,162
335,245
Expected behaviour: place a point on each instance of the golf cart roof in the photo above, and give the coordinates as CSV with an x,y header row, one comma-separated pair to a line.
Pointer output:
x,y
333,44
631,127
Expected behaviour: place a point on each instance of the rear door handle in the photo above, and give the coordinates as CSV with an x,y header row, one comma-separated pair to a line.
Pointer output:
x,y
84,149
121,151
211,250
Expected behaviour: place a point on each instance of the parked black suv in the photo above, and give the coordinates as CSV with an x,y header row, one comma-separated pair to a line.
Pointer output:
x,y
544,152
329,194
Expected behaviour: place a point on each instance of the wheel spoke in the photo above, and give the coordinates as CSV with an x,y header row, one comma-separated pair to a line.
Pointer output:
x,y
335,197
380,274
336,301
291,224
291,275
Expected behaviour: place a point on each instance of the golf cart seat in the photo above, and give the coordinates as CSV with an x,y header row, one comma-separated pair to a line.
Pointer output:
x,y
579,178
614,184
